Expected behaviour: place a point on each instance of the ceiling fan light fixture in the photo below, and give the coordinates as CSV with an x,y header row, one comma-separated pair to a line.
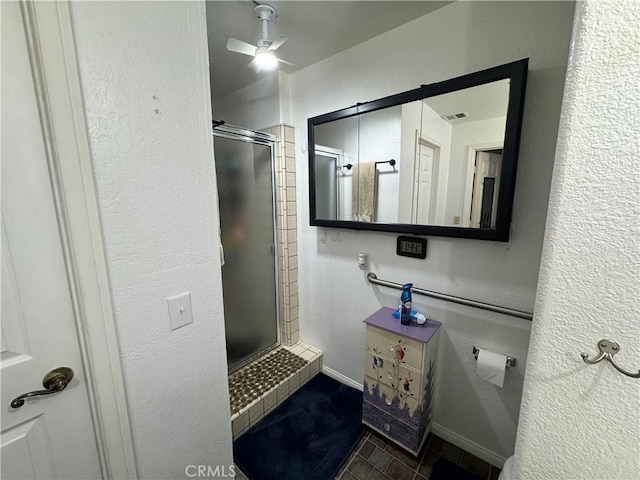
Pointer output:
x,y
266,60
263,53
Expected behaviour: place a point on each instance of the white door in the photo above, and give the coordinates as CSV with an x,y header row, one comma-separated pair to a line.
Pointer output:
x,y
488,164
49,436
425,187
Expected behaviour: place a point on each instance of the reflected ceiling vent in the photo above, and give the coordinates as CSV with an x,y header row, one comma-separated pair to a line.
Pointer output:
x,y
455,116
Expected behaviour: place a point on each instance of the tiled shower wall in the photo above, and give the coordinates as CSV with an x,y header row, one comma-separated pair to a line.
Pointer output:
x,y
285,173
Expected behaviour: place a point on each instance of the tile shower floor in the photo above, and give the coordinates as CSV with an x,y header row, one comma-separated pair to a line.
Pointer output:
x,y
261,386
252,381
374,458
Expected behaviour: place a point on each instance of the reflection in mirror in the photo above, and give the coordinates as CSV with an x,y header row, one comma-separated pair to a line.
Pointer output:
x,y
356,170
430,162
440,159
380,144
458,157
336,153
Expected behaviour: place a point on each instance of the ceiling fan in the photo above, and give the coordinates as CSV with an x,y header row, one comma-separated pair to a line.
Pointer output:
x,y
264,57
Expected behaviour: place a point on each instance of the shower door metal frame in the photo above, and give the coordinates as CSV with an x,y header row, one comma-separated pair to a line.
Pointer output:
x,y
233,132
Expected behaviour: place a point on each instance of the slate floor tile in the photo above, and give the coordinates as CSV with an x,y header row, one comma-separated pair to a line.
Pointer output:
x,y
474,465
360,468
399,471
451,452
380,459
366,450
376,458
402,455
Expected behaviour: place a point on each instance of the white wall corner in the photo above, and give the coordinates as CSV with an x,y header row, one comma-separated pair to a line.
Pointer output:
x,y
148,114
255,106
579,420
284,97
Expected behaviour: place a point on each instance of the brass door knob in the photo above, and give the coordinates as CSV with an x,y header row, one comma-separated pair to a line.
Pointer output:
x,y
54,381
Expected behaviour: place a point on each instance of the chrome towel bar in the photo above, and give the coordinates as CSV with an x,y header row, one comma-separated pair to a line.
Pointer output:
x,y
373,278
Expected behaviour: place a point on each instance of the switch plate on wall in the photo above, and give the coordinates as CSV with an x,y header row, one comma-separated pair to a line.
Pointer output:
x,y
180,310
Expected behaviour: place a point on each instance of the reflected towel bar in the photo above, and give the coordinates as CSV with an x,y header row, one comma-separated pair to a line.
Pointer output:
x,y
391,162
373,278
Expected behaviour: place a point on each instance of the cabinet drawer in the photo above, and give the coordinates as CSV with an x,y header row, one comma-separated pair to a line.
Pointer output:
x,y
393,374
394,346
392,401
406,435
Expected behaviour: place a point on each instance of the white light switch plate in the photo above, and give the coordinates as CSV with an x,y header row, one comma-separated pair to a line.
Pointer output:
x,y
180,310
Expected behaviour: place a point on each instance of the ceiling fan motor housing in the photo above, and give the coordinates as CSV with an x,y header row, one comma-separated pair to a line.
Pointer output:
x,y
265,12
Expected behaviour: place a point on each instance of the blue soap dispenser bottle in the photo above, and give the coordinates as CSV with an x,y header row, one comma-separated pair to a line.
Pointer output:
x,y
405,307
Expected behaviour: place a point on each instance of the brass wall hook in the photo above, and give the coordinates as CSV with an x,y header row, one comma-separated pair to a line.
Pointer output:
x,y
608,349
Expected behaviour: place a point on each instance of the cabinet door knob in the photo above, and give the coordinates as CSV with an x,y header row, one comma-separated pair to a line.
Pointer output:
x,y
387,427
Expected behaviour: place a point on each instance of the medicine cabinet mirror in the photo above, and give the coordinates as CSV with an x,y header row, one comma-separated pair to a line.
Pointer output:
x,y
437,160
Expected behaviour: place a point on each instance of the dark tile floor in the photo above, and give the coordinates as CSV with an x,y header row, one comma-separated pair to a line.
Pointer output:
x,y
375,458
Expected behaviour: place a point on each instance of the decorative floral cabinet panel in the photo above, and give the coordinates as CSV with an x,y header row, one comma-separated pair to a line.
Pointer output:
x,y
400,365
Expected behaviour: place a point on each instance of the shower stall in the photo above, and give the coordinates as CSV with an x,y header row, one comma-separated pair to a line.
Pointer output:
x,y
244,161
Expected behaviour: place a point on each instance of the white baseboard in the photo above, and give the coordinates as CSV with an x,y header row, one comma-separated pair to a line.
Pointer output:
x,y
468,446
341,378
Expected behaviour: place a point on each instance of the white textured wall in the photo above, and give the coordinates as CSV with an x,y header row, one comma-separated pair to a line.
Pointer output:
x,y
262,104
580,421
144,68
334,295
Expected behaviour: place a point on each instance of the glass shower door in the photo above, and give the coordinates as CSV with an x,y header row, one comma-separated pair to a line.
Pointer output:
x,y
246,200
326,205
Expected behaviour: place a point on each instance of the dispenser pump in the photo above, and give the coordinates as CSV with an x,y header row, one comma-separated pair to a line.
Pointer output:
x,y
405,308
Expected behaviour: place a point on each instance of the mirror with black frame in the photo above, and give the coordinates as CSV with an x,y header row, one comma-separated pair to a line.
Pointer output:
x,y
437,160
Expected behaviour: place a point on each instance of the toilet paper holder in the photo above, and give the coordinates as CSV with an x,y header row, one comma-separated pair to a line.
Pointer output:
x,y
511,362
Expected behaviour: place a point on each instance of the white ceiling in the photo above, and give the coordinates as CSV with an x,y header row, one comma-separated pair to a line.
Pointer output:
x,y
316,30
480,102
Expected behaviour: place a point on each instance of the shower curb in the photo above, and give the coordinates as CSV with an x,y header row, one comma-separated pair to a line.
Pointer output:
x,y
309,365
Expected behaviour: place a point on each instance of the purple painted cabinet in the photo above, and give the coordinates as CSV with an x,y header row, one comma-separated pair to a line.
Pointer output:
x,y
400,365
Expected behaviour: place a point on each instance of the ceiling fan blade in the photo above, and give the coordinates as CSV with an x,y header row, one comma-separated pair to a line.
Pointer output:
x,y
277,43
253,65
286,63
238,46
